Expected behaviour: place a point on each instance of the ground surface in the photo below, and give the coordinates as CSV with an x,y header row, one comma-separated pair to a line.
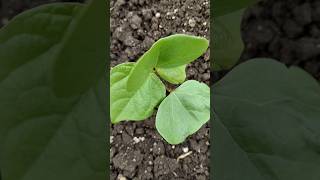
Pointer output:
x,y
137,150
287,30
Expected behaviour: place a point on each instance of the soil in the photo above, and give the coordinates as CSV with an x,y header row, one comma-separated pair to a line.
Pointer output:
x,y
287,30
137,150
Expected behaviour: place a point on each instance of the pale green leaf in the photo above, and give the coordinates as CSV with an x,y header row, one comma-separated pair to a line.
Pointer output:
x,y
184,111
142,68
180,49
175,75
133,105
172,51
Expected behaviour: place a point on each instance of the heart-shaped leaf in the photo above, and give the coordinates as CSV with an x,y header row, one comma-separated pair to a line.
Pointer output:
x,y
271,113
169,52
133,105
175,75
184,111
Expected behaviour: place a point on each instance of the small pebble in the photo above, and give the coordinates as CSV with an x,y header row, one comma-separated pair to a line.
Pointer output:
x,y
192,22
136,140
121,177
185,149
111,139
158,15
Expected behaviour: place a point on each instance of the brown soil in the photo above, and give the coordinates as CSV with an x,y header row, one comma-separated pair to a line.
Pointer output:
x,y
135,26
287,30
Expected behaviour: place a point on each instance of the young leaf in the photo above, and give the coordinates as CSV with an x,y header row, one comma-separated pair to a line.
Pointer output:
x,y
42,136
83,51
133,105
175,75
142,68
227,41
183,112
272,119
180,49
169,52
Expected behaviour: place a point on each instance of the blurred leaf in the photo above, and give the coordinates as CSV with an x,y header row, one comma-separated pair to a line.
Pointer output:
x,y
272,122
83,52
227,41
224,7
133,105
183,112
43,136
175,75
229,156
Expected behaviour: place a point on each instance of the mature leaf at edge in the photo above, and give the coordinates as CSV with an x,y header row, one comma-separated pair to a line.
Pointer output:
x,y
229,156
42,136
272,114
184,111
133,105
176,75
83,51
223,7
169,52
227,41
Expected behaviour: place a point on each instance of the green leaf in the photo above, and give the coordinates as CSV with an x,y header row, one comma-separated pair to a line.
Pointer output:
x,y
175,75
183,112
133,105
83,51
143,67
272,115
32,34
229,156
180,49
43,136
227,41
172,51
223,7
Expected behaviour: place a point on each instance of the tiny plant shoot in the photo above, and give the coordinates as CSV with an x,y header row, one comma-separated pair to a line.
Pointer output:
x,y
136,89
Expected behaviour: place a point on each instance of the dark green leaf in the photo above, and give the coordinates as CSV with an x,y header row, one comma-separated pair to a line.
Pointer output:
x,y
272,116
43,136
83,51
227,41
223,7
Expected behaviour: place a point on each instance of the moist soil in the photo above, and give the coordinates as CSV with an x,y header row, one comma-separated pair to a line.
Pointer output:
x,y
137,150
286,30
